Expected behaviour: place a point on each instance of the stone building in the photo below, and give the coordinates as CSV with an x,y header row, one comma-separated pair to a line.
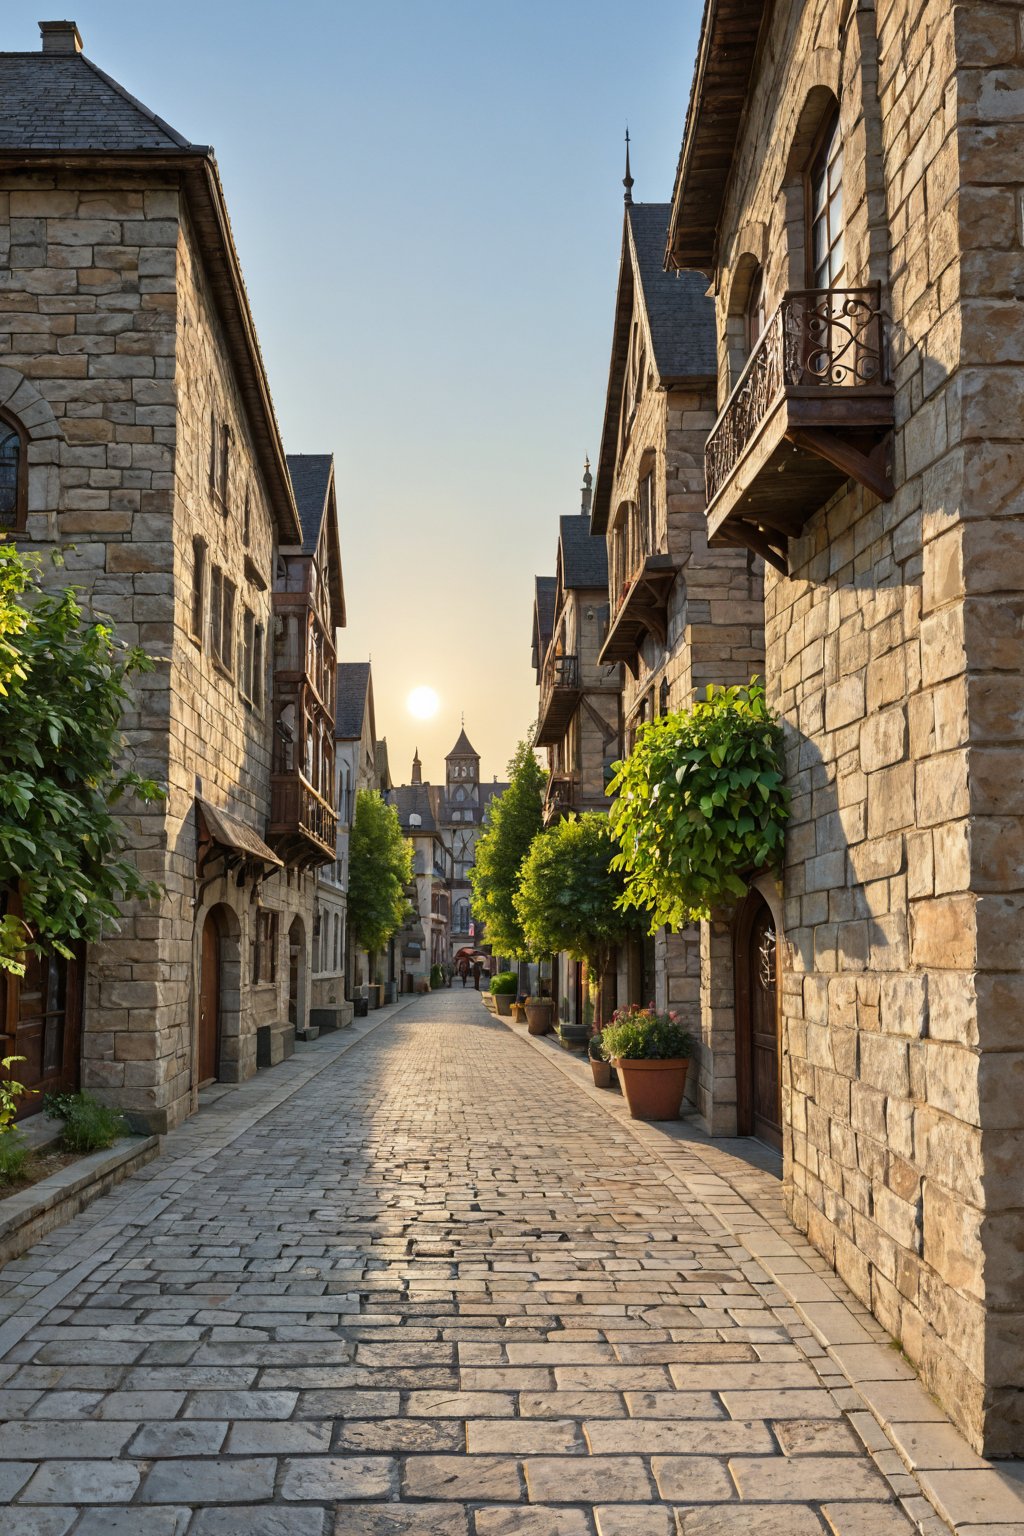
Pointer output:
x,y
463,809
849,187
140,439
578,718
681,616
424,940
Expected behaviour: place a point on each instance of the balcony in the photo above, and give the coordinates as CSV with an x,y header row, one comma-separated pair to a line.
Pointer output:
x,y
303,827
559,696
812,409
559,798
642,610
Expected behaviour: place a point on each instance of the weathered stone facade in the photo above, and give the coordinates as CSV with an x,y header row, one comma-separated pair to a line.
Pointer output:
x,y
893,654
130,363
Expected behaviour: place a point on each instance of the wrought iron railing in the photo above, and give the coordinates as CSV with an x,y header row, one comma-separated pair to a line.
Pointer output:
x,y
824,338
560,672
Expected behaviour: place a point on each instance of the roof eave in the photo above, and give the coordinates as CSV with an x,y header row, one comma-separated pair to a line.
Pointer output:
x,y
624,293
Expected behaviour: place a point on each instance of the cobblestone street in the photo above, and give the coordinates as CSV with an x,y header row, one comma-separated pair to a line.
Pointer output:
x,y
437,1289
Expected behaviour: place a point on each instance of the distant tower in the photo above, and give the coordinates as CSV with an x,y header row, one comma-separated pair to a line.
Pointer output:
x,y
417,768
587,493
627,180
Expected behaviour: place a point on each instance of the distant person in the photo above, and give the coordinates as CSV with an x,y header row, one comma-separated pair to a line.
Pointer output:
x,y
464,970
477,968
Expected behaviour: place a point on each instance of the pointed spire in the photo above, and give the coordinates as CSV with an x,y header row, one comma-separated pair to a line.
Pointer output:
x,y
417,767
627,180
587,493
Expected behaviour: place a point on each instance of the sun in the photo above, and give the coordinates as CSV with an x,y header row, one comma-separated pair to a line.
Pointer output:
x,y
422,703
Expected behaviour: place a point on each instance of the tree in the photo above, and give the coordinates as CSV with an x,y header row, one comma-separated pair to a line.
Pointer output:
x,y
701,805
569,898
63,685
513,820
380,867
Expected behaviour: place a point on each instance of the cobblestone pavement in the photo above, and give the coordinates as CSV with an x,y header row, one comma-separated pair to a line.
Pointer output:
x,y
438,1289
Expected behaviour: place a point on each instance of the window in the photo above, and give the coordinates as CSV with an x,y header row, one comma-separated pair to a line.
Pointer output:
x,y
337,942
225,454
13,475
257,667
827,260
647,517
220,449
222,619
198,588
756,314
247,518
264,955
251,678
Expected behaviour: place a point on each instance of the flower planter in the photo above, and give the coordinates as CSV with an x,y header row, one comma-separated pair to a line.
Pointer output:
x,y
503,1002
488,1002
653,1089
602,1071
518,1013
538,1017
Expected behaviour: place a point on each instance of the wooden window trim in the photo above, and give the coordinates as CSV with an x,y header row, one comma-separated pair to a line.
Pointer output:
x,y
265,947
11,422
223,593
197,605
828,126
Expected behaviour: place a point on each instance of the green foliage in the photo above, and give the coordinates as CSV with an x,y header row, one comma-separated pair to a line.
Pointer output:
x,y
701,805
513,820
643,1034
380,867
10,1090
63,685
505,984
569,898
436,978
88,1125
13,1156
595,1047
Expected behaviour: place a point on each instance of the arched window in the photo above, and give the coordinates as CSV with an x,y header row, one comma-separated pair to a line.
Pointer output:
x,y
827,257
13,475
756,314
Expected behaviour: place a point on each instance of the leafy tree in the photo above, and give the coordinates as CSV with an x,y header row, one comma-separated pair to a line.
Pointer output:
x,y
380,867
701,804
63,685
513,820
569,898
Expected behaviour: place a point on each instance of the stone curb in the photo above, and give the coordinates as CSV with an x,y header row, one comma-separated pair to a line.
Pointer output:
x,y
29,1214
910,1437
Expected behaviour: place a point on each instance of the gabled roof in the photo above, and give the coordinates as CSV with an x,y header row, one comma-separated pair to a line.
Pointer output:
x,y
354,696
63,101
58,111
681,321
415,800
726,59
463,747
582,559
312,477
381,766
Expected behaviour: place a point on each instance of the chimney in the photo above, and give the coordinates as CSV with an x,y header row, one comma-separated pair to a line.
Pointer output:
x,y
60,37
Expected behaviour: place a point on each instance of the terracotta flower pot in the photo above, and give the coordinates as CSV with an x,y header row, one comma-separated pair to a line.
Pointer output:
x,y
503,1001
602,1071
653,1089
538,1018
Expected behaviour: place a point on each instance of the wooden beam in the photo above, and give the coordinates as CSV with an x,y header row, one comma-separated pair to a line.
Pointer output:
x,y
867,469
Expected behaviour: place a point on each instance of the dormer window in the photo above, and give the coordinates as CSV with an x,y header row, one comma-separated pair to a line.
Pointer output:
x,y
827,257
13,475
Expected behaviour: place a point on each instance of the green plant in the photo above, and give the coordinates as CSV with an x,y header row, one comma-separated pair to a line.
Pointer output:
x,y
701,804
595,1047
10,1092
436,978
644,1034
88,1125
505,984
380,867
569,898
13,1156
63,684
512,821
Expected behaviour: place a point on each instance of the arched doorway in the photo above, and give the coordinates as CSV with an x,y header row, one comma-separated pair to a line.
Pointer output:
x,y
210,983
297,975
758,1070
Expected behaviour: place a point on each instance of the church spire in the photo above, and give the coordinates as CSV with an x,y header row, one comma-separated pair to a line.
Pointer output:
x,y
627,180
417,768
587,492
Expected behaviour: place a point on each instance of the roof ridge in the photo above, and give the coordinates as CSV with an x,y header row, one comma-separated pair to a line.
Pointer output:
x,y
140,106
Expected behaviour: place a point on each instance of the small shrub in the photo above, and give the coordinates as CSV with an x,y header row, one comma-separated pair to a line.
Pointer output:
x,y
643,1034
13,1156
88,1125
505,984
436,978
9,1092
595,1047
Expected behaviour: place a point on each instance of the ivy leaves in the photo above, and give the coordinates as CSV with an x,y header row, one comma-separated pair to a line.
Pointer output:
x,y
701,805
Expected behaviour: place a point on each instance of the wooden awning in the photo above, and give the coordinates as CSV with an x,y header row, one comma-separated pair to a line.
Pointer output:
x,y
219,829
643,611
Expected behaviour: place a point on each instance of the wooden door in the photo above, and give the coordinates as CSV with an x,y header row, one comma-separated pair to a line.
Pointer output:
x,y
209,1002
296,956
41,1020
758,1076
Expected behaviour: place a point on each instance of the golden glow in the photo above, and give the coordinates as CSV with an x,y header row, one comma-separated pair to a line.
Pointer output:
x,y
422,703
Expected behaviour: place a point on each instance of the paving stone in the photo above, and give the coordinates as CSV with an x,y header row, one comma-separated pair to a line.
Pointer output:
x,y
240,1405
400,1520
586,1479
13,1477
83,1482
806,1478
633,1520
41,1439
517,1520
578,1405
407,1434
179,1437
460,1405
672,1405
523,1437
874,1520
776,1404
684,1479
208,1481
134,1522
816,1437
749,1520
259,1520
720,1437
337,1477
50,1522
466,1478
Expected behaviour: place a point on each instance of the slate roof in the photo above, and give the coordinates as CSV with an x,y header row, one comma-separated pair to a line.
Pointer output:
x,y
463,747
62,101
584,555
311,476
679,312
381,766
545,601
415,800
353,690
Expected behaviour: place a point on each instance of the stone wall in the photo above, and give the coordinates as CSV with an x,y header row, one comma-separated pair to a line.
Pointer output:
x,y
893,649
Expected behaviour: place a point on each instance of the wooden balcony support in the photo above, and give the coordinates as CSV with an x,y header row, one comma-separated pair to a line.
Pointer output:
x,y
559,698
642,611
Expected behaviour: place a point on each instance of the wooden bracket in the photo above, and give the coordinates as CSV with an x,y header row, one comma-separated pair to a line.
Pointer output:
x,y
868,469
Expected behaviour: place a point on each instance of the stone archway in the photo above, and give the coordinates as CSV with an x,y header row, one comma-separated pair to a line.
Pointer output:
x,y
218,1013
297,976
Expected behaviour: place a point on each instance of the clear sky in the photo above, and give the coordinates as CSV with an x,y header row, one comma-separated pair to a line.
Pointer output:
x,y
426,197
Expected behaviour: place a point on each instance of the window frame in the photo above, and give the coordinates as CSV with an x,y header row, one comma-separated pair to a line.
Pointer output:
x,y
223,595
197,605
9,420
265,947
828,151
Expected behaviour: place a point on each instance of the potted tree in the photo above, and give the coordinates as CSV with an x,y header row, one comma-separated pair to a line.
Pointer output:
x,y
539,1013
599,1063
503,991
651,1053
